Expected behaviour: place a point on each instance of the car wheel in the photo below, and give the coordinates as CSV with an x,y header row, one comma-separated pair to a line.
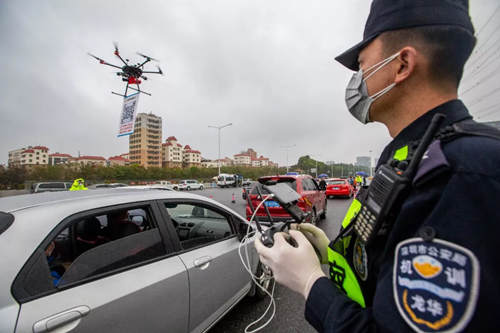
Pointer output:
x,y
188,188
263,276
323,215
176,188
201,188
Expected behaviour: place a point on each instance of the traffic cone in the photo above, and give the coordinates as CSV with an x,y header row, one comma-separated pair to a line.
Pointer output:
x,y
211,196
233,200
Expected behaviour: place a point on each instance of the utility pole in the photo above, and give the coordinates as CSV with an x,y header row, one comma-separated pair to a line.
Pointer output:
x,y
287,148
219,128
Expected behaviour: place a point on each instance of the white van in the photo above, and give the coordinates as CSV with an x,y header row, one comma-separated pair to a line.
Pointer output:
x,y
226,180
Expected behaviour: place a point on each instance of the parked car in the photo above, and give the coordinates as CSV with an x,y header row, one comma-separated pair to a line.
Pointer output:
x,y
50,187
312,199
118,260
247,182
167,184
189,184
338,187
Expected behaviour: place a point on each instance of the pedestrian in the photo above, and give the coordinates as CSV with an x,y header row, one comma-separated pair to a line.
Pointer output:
x,y
432,266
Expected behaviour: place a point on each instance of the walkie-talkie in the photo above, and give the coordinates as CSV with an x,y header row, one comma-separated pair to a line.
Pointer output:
x,y
389,188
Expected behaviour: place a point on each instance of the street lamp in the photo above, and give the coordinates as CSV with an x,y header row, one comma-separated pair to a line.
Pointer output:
x,y
317,164
371,170
219,128
287,148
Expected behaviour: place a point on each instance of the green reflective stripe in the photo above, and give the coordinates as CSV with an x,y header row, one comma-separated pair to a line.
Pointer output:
x,y
401,154
349,282
346,241
351,213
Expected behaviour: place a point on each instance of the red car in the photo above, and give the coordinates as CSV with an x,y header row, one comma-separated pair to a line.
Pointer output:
x,y
338,187
312,199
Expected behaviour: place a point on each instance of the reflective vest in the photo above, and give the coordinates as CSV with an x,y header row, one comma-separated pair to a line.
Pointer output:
x,y
339,258
78,185
347,256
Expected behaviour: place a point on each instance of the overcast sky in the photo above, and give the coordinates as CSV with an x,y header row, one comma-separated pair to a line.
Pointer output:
x,y
266,66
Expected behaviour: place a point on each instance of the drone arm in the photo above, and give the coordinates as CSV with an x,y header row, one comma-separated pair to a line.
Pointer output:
x,y
105,63
146,72
145,62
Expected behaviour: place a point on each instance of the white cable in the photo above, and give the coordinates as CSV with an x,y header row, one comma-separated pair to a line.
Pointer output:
x,y
248,268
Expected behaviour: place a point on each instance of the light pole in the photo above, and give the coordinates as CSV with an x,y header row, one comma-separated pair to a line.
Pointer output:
x,y
287,148
317,164
370,152
219,128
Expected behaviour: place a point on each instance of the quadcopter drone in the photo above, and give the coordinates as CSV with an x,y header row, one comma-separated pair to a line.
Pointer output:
x,y
132,74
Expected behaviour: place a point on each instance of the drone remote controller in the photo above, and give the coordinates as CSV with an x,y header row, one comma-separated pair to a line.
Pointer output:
x,y
267,237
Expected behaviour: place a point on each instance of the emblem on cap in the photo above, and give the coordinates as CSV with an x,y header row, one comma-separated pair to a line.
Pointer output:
x,y
435,284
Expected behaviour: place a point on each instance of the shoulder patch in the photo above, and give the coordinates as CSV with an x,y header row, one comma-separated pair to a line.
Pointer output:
x,y
435,284
432,161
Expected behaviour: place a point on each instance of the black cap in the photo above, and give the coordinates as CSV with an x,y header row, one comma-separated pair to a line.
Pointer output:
x,y
387,15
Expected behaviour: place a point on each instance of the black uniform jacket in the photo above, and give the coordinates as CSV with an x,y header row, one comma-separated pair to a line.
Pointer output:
x,y
461,203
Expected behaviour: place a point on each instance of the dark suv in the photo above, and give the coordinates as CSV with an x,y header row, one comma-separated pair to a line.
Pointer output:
x,y
312,199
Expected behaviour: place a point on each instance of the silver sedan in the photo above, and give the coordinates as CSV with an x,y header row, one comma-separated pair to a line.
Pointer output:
x,y
120,261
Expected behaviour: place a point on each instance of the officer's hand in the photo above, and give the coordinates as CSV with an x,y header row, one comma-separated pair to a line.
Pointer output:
x,y
296,267
317,237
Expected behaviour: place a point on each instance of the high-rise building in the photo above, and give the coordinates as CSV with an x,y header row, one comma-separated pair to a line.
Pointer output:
x,y
364,161
145,142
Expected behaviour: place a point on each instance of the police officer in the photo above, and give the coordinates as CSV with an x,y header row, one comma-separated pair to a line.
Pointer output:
x,y
434,267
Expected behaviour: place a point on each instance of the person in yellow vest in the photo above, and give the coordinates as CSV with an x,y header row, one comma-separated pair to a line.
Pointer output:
x,y
78,185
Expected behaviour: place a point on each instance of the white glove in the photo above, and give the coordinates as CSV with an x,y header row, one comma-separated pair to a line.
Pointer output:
x,y
295,267
317,237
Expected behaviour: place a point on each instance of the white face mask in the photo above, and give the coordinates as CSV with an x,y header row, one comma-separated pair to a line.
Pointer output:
x,y
356,94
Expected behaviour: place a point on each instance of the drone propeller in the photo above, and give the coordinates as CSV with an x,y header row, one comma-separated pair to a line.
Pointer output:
x,y
115,44
93,56
147,57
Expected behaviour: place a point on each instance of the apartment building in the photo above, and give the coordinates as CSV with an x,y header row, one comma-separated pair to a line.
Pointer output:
x,y
249,158
117,161
29,156
206,163
191,157
260,161
145,143
171,153
91,161
242,159
58,158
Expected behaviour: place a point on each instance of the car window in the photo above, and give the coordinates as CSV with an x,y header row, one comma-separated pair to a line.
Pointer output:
x,y
314,185
197,225
290,182
51,185
306,184
336,182
94,244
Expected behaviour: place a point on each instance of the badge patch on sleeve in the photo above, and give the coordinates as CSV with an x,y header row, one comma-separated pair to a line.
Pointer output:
x,y
435,284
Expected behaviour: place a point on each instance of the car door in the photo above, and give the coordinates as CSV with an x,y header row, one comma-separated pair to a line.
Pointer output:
x,y
319,196
128,282
208,247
